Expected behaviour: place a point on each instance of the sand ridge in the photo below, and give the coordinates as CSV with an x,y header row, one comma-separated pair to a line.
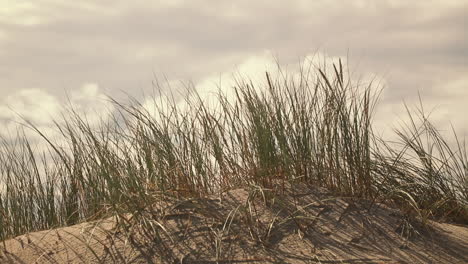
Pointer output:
x,y
302,224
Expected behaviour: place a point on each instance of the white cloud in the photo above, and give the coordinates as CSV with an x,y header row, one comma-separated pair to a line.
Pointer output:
x,y
30,104
450,106
42,108
20,12
253,68
207,88
444,103
15,7
118,43
33,13
90,103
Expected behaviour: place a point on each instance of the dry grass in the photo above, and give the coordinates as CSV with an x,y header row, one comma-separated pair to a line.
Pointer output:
x,y
303,224
315,130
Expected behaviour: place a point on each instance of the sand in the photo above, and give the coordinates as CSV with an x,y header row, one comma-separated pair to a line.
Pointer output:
x,y
301,225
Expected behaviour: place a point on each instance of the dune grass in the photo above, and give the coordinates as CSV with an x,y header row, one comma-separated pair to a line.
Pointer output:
x,y
315,129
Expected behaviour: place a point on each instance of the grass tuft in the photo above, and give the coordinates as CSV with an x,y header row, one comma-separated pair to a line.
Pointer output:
x,y
315,129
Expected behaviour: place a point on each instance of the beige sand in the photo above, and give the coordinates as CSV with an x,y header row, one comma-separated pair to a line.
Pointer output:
x,y
303,225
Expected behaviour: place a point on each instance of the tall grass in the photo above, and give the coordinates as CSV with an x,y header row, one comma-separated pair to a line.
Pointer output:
x,y
424,172
315,129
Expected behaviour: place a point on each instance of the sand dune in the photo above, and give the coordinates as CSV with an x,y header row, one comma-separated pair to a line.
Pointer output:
x,y
301,225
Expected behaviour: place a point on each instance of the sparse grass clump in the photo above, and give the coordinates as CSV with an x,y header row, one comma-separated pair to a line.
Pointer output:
x,y
315,129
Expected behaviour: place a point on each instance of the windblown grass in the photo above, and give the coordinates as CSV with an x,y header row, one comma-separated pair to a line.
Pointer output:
x,y
315,129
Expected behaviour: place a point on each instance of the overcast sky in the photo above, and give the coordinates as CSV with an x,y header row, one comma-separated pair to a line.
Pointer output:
x,y
89,48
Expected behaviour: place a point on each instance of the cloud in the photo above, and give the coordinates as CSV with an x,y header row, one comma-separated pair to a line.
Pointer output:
x,y
24,13
444,104
207,88
57,44
120,44
30,104
253,70
443,101
90,103
449,104
42,108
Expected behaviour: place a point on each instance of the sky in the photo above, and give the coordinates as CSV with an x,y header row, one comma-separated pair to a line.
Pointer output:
x,y
58,51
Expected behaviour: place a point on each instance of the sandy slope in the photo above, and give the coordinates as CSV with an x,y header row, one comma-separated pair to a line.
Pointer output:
x,y
304,225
